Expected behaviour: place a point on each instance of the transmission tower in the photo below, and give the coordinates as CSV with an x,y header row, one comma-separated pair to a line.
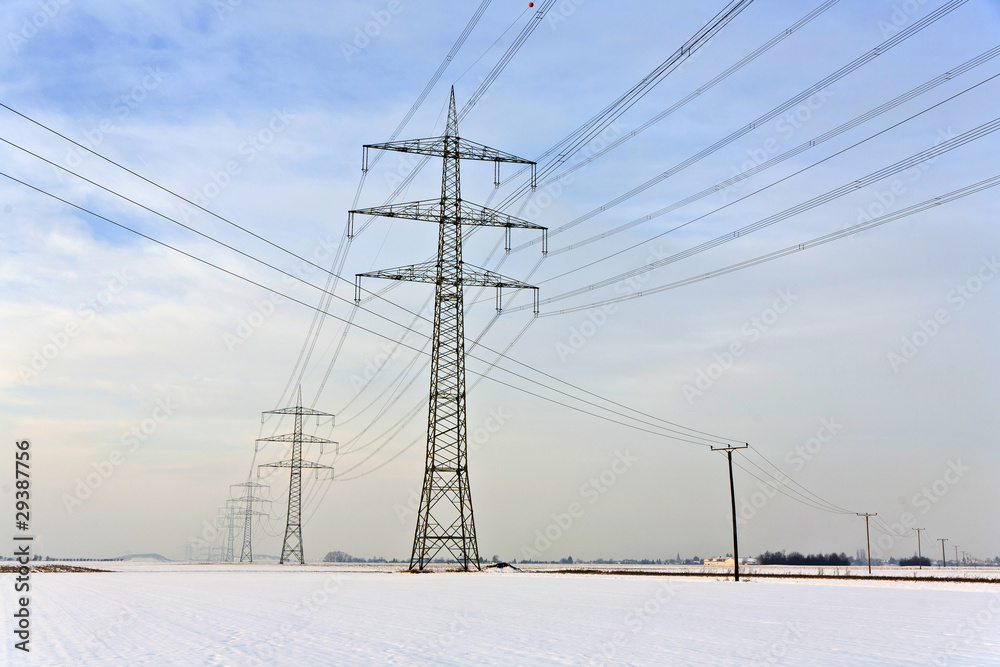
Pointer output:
x,y
292,546
445,520
248,497
224,521
250,493
228,553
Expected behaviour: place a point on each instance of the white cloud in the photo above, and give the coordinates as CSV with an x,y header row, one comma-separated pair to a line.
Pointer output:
x,y
164,334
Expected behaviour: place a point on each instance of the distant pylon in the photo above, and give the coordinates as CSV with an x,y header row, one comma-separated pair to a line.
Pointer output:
x,y
292,546
229,554
445,520
248,497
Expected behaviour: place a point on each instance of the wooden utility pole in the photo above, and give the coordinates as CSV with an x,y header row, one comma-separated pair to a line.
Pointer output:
x,y
920,558
732,494
944,559
868,539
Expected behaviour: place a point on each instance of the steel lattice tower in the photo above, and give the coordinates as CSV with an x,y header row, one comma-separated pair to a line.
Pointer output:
x,y
445,520
292,546
229,552
248,498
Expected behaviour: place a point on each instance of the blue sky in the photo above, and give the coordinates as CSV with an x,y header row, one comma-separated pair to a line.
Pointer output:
x,y
260,111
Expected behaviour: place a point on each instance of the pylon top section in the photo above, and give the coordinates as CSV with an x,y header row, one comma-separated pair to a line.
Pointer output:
x,y
297,438
249,490
450,210
298,410
436,147
452,129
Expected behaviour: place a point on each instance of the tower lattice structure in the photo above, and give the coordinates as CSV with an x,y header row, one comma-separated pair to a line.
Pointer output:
x,y
228,552
292,545
445,521
248,497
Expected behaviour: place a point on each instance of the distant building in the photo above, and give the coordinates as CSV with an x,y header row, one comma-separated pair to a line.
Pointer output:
x,y
720,561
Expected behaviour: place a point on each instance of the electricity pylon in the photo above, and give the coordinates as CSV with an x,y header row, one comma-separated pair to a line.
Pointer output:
x,y
247,498
445,520
292,546
228,553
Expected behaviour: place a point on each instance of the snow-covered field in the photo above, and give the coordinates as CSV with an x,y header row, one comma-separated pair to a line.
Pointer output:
x,y
188,614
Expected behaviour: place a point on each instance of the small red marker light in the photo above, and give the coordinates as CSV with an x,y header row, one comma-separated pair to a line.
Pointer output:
x,y
531,4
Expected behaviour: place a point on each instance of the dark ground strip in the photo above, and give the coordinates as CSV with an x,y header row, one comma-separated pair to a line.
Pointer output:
x,y
776,575
13,569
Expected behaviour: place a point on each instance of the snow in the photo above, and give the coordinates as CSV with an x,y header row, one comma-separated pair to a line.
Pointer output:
x,y
229,614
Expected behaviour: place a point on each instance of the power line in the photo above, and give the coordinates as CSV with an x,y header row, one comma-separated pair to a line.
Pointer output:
x,y
490,47
773,113
324,300
481,90
456,47
800,499
409,115
782,480
799,247
306,353
508,55
901,165
792,152
327,313
604,117
597,124
409,416
943,78
701,90
330,294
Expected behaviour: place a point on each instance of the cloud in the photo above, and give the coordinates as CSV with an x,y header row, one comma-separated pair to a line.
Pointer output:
x,y
257,114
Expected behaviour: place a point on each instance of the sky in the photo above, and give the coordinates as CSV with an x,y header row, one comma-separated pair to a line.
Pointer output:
x,y
863,369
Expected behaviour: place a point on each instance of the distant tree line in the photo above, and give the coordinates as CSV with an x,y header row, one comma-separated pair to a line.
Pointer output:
x,y
915,561
795,558
342,557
